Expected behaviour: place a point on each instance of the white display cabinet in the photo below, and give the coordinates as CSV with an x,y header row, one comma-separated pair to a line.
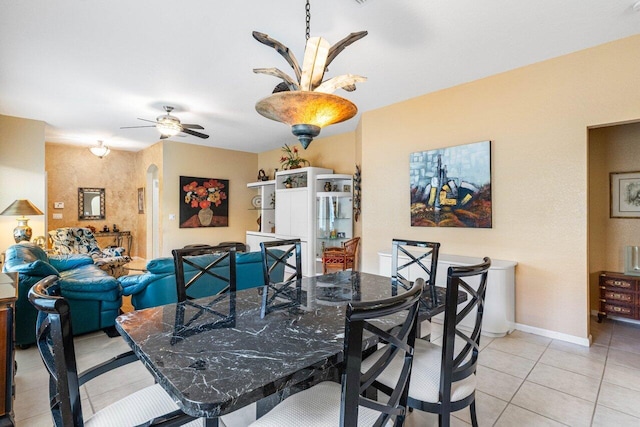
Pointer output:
x,y
334,211
264,204
295,210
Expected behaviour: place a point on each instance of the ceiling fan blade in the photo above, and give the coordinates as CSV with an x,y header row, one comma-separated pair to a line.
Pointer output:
x,y
145,120
133,127
194,133
191,126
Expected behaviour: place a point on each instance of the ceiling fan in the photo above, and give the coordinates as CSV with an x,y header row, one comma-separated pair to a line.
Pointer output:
x,y
169,125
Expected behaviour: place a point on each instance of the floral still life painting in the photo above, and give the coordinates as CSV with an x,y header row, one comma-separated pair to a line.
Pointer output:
x,y
204,202
451,187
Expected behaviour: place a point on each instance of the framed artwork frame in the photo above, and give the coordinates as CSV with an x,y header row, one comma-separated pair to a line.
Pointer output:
x,y
451,187
204,202
141,200
624,194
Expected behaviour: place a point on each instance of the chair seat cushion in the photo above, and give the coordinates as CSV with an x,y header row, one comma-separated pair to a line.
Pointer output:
x,y
316,406
137,408
425,374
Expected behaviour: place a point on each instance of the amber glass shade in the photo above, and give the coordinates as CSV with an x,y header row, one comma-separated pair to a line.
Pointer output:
x,y
306,108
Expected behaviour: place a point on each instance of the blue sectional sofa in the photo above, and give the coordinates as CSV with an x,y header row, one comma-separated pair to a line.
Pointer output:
x,y
94,296
158,285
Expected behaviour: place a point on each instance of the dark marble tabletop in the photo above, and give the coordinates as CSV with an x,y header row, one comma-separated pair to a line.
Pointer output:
x,y
215,355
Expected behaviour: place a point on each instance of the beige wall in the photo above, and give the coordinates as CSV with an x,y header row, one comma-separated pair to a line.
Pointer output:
x,y
147,159
70,167
537,119
333,152
199,161
611,149
22,173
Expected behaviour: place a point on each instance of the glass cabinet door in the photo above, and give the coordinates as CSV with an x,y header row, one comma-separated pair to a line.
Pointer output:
x,y
334,221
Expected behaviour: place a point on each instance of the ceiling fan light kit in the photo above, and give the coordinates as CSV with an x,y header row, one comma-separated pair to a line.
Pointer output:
x,y
307,103
169,125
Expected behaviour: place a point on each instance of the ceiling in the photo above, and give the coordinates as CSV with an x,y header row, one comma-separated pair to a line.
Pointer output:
x,y
89,67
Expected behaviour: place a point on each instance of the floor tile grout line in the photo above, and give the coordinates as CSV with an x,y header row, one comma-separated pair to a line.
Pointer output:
x,y
520,386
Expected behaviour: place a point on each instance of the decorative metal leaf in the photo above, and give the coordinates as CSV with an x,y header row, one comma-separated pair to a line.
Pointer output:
x,y
281,49
339,47
280,74
345,81
314,64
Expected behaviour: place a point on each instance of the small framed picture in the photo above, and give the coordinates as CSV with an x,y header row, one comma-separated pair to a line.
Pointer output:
x,y
341,235
625,194
141,200
346,188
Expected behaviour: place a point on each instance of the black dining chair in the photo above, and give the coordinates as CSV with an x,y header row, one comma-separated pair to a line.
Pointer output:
x,y
204,271
276,256
54,339
443,378
346,404
422,262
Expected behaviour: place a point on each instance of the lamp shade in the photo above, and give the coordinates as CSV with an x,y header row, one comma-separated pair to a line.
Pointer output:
x,y
314,110
100,150
21,208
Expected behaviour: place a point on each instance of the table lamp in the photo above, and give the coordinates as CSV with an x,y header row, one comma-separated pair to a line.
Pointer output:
x,y
22,207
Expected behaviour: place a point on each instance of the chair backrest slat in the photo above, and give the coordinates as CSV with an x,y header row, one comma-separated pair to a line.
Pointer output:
x,y
400,341
54,339
195,268
427,251
458,364
280,294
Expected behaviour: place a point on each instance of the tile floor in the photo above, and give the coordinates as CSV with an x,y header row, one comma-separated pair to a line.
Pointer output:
x,y
523,380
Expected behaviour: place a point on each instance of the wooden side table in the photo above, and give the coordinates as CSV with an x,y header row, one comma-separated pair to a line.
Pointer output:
x,y
8,296
619,295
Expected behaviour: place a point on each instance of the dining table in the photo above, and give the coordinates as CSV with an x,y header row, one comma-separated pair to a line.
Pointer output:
x,y
216,354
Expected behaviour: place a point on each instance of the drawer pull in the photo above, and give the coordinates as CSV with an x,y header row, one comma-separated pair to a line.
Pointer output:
x,y
619,283
616,309
619,296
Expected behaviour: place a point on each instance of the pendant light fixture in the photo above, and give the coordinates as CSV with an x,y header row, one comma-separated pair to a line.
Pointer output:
x,y
100,150
307,103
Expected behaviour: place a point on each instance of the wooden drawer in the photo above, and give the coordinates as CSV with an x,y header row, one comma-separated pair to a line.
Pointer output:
x,y
619,310
613,282
614,295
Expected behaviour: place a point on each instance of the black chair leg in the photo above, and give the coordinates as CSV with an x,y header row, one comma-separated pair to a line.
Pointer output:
x,y
474,419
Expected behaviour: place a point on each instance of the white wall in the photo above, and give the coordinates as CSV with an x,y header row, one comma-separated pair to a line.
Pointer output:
x,y
22,174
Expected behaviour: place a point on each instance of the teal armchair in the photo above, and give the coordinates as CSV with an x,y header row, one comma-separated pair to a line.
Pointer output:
x,y
95,297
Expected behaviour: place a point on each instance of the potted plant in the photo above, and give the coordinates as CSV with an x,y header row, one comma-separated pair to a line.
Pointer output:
x,y
291,159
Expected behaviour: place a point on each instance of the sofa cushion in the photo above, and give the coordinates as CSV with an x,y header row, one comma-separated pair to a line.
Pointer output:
x,y
35,268
162,265
24,253
69,262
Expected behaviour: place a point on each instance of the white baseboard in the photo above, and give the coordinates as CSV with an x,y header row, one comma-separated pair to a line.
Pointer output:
x,y
586,342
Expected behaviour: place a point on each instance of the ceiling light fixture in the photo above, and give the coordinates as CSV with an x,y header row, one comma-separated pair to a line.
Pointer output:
x,y
100,150
308,104
168,125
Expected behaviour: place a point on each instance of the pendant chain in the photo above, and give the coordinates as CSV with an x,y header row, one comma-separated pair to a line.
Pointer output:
x,y
308,10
